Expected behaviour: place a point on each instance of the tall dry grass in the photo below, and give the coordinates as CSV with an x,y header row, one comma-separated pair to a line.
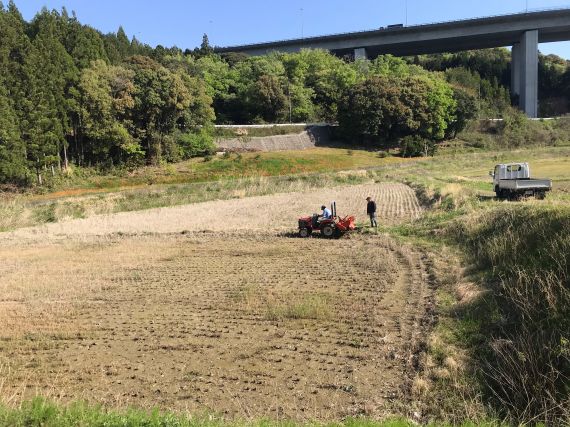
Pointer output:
x,y
524,250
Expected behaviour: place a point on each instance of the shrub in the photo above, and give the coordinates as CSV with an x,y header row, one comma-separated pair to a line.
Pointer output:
x,y
517,131
195,144
416,146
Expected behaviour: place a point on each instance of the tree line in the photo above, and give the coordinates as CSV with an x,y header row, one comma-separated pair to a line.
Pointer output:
x,y
72,95
493,66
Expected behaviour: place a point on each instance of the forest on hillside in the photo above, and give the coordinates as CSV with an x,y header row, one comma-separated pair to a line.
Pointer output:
x,y
72,95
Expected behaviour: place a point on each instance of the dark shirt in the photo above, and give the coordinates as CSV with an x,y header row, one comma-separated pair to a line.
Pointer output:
x,y
371,207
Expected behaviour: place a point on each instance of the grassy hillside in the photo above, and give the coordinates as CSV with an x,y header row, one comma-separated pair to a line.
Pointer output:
x,y
229,166
502,336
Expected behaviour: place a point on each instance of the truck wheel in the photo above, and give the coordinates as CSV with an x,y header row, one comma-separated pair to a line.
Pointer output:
x,y
541,195
304,232
328,231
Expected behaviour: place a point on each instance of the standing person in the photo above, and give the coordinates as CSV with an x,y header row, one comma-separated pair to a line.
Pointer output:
x,y
371,211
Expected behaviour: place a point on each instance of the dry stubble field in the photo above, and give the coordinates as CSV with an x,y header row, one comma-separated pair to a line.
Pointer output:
x,y
278,212
246,324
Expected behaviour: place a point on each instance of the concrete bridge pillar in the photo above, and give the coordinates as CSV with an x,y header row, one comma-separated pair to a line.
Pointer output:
x,y
360,53
528,66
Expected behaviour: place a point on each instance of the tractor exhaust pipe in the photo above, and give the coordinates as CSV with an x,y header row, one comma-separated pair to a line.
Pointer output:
x,y
333,209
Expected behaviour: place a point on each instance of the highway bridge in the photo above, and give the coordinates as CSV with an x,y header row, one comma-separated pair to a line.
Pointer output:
x,y
523,31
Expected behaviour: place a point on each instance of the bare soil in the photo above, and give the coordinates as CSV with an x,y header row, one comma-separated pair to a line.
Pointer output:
x,y
248,324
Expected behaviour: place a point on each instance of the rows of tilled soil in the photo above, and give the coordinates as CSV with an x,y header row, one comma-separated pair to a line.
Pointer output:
x,y
396,203
247,326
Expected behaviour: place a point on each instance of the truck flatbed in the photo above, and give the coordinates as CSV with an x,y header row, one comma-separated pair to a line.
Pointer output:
x,y
512,181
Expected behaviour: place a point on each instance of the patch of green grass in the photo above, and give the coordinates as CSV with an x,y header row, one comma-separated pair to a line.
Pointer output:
x,y
46,213
42,413
229,166
314,307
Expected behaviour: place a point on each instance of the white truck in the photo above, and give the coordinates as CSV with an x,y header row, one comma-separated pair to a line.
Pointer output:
x,y
512,181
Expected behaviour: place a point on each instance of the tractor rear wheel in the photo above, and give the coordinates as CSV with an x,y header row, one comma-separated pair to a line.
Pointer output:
x,y
304,232
328,231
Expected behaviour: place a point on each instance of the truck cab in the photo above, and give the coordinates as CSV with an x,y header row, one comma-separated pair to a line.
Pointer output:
x,y
510,171
513,180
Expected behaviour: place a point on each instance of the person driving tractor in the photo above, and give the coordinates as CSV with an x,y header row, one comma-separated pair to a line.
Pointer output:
x,y
326,212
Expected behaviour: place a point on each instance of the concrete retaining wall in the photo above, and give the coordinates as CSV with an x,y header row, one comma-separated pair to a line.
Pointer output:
x,y
312,137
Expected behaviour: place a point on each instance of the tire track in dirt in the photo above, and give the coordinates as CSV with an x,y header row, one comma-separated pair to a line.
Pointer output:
x,y
408,305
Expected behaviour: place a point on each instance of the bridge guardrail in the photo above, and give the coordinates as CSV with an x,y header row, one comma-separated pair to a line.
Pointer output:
x,y
427,24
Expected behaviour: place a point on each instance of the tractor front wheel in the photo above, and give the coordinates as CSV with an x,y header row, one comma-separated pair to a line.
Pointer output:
x,y
304,232
328,231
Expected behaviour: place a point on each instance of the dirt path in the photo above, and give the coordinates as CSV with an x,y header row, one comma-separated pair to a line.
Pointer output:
x,y
396,203
247,326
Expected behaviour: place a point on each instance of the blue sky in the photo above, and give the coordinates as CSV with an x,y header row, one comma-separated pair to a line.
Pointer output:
x,y
230,22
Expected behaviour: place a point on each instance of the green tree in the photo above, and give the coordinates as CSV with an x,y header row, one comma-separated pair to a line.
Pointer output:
x,y
161,98
106,99
465,111
267,99
319,78
373,111
123,44
199,112
13,164
51,74
14,49
385,109
87,47
205,48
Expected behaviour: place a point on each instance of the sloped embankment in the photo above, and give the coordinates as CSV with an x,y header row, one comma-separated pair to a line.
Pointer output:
x,y
312,137
524,251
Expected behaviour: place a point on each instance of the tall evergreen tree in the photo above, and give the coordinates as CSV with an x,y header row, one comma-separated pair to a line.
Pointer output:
x,y
83,43
205,48
13,166
51,73
14,45
14,49
123,43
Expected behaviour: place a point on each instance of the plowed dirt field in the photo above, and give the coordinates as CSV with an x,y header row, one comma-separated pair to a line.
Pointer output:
x,y
248,324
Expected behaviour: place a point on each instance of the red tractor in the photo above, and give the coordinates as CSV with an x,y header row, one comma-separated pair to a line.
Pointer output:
x,y
333,227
